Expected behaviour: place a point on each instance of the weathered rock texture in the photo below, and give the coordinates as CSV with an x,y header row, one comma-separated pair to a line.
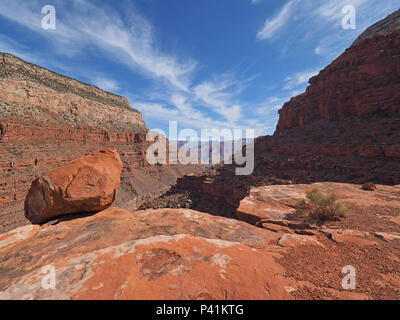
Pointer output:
x,y
87,184
58,98
186,254
47,120
346,126
277,202
388,25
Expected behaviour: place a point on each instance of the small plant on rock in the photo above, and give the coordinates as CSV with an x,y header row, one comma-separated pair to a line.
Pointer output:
x,y
319,208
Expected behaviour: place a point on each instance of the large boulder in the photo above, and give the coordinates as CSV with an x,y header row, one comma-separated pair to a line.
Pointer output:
x,y
87,184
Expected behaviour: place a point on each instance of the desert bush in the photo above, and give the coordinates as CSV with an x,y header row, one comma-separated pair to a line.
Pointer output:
x,y
319,208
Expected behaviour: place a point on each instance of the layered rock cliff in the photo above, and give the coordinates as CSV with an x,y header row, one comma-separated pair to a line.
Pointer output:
x,y
363,82
346,126
47,119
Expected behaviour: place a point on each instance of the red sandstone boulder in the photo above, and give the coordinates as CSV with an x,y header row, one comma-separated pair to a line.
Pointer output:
x,y
87,184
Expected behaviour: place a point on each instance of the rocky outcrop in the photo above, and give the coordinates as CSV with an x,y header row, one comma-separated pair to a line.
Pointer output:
x,y
277,202
345,127
382,27
362,82
37,78
160,254
185,254
230,192
87,184
48,120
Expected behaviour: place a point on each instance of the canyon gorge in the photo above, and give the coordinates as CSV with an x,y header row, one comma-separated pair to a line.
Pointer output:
x,y
114,227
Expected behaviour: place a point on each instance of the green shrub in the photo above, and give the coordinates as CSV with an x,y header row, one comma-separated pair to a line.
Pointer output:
x,y
319,208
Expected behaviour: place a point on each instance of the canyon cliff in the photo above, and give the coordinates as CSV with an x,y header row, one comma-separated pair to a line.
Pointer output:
x,y
345,127
214,235
48,119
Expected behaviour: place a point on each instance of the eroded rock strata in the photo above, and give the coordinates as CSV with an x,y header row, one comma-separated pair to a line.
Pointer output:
x,y
346,126
47,120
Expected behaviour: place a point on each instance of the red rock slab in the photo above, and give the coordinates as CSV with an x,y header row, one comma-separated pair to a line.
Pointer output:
x,y
388,236
165,254
294,240
271,202
185,267
277,201
351,236
161,267
252,211
18,235
87,184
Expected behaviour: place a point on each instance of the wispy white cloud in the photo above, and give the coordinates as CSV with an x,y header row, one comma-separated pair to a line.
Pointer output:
x,y
331,47
214,94
191,107
332,10
299,78
303,19
105,84
271,105
273,25
332,43
129,39
160,112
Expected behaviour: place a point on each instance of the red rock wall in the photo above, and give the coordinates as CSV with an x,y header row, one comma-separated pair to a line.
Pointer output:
x,y
44,125
346,126
13,68
363,81
224,189
28,151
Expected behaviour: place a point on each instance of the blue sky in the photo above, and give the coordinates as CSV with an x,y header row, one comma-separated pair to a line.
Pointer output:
x,y
207,64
